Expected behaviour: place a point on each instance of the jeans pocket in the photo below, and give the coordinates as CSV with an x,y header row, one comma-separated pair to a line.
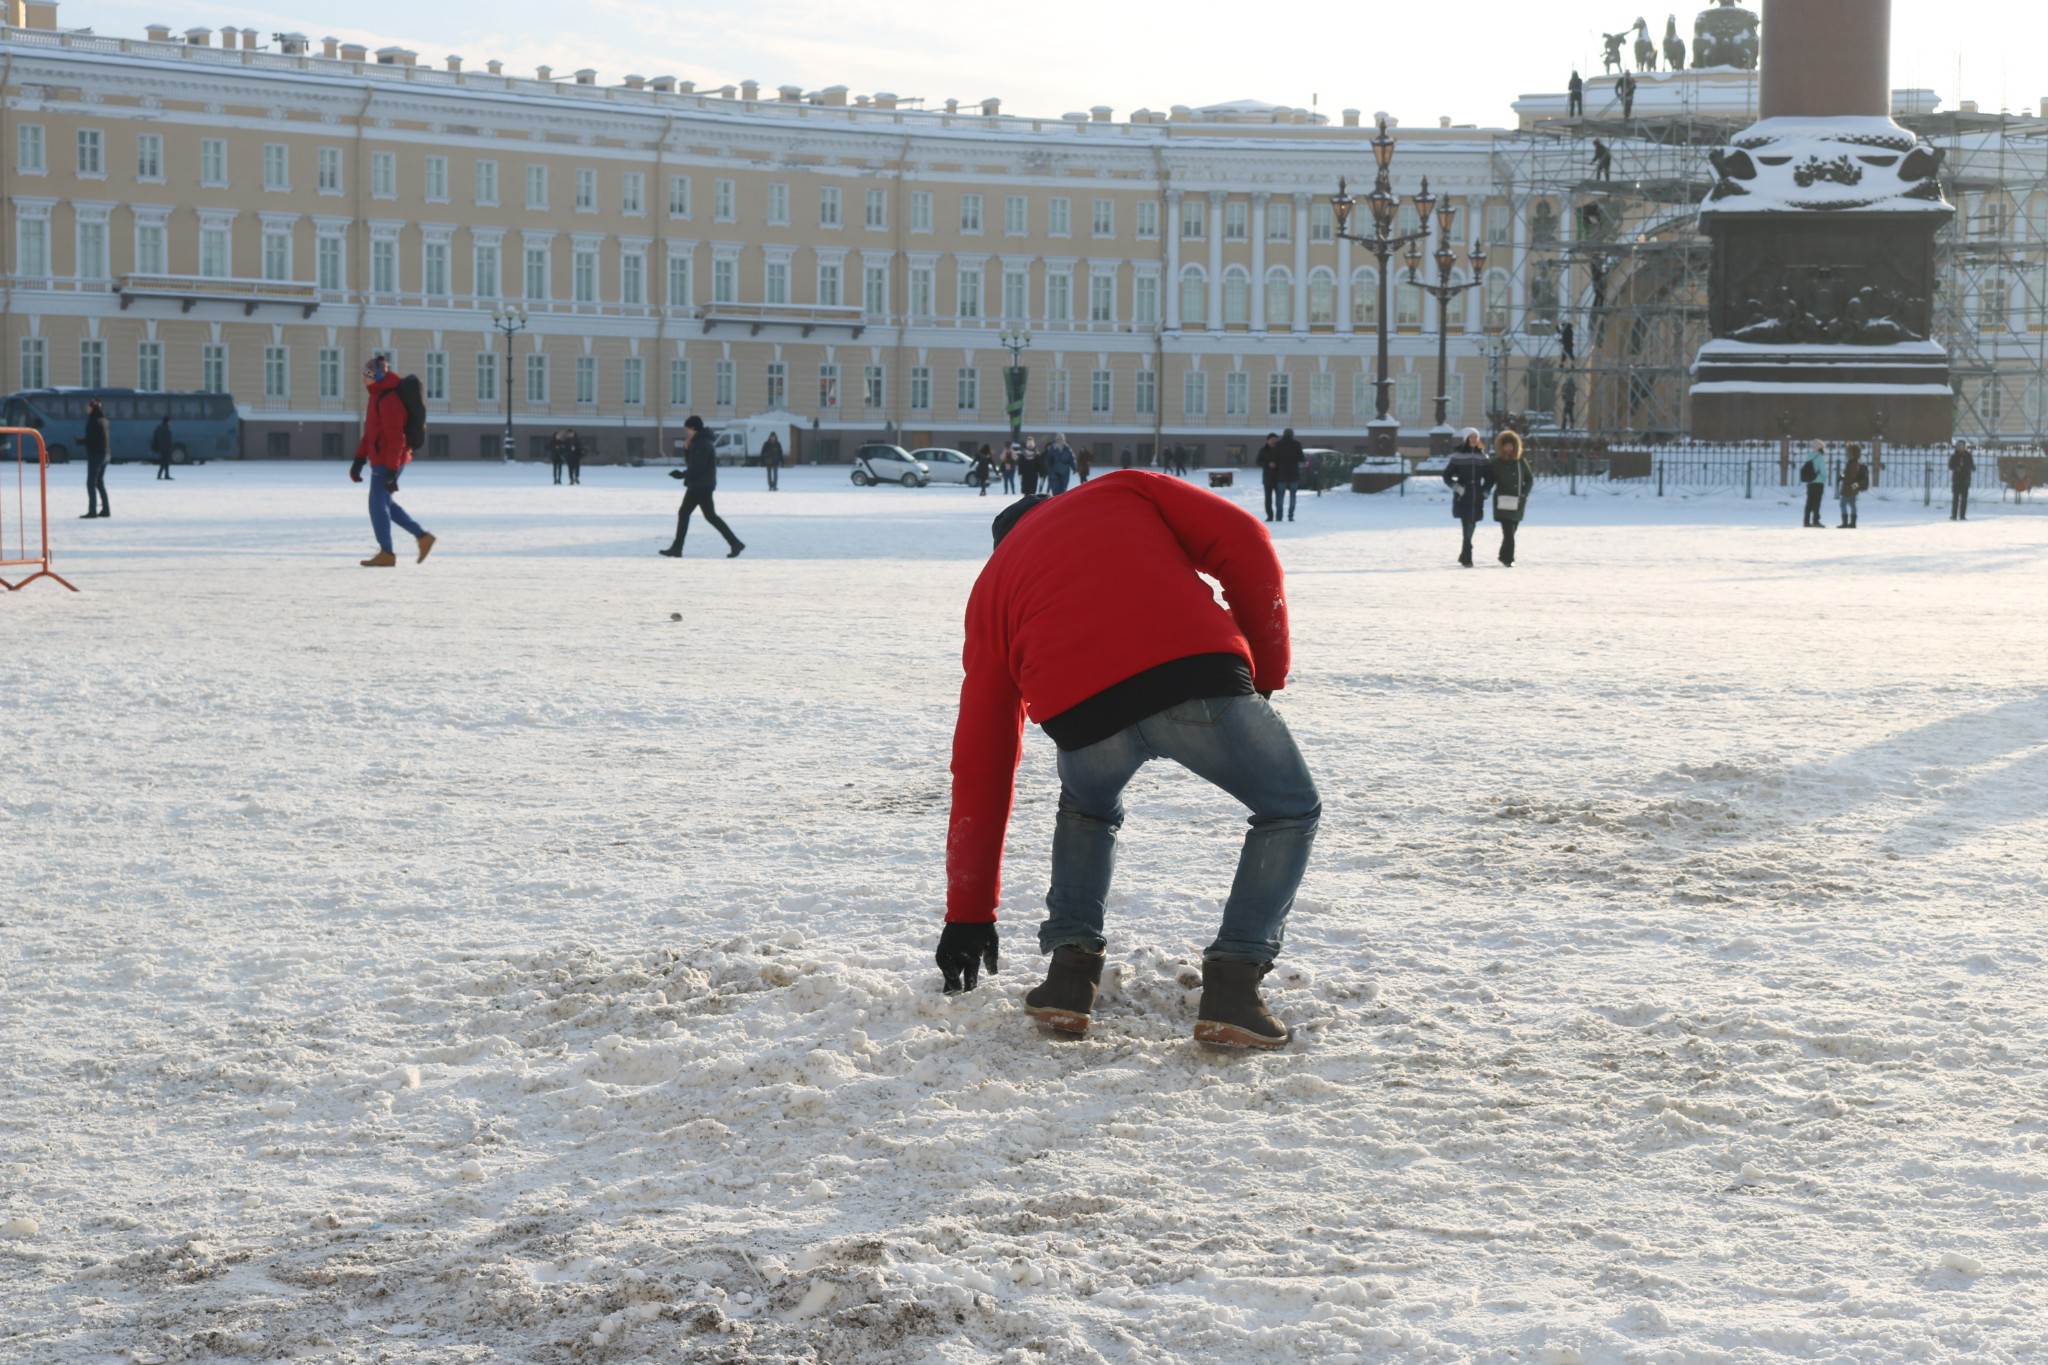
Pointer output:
x,y
1201,710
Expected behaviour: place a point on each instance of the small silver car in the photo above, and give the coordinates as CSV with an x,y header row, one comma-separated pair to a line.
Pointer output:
x,y
945,464
888,464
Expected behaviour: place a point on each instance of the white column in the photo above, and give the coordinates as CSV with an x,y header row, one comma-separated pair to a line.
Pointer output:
x,y
1343,284
1172,282
1259,200
1216,258
1301,262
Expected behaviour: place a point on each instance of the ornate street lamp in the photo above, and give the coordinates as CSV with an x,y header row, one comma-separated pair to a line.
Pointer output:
x,y
1443,291
510,320
1016,343
1383,432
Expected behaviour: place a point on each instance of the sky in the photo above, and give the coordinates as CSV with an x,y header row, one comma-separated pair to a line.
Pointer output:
x,y
1050,57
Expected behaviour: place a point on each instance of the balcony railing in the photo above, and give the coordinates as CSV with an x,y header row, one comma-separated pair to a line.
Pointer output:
x,y
188,290
809,317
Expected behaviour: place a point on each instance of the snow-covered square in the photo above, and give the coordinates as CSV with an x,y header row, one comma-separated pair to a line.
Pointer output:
x,y
473,962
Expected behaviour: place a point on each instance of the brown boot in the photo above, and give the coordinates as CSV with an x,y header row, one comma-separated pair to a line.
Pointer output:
x,y
1067,998
426,544
383,559
1231,1013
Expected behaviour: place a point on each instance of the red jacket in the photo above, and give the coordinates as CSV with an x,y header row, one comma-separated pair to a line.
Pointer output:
x,y
383,443
1091,588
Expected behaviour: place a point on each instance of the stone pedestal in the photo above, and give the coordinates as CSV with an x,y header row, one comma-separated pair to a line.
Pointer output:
x,y
1383,437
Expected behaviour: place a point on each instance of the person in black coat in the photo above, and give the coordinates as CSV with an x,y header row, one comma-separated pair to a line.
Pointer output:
x,y
99,436
1577,90
771,460
1288,457
700,480
558,452
1961,465
1469,481
1268,461
161,445
572,455
984,467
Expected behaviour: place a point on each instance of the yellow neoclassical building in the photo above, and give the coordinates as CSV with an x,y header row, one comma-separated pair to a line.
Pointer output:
x,y
200,211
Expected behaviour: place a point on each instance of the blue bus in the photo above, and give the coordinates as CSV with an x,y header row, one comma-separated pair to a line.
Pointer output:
x,y
204,426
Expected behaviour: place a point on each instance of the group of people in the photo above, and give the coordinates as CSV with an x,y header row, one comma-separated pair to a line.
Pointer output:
x,y
1854,480
565,453
1057,466
1472,474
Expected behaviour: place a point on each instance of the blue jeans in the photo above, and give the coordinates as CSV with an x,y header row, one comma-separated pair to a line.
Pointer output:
x,y
384,511
1057,480
1238,743
1285,492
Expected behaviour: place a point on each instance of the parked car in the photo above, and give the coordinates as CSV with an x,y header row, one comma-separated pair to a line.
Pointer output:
x,y
946,465
888,464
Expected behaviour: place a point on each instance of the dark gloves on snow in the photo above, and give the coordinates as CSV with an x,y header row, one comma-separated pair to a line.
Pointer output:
x,y
390,481
963,950
355,472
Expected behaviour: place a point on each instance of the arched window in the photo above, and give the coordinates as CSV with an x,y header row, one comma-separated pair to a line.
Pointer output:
x,y
1407,301
1237,296
1322,298
1495,305
1194,296
1279,297
1365,297
1454,309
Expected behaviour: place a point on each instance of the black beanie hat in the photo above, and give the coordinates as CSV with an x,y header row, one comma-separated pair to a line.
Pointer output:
x,y
1007,519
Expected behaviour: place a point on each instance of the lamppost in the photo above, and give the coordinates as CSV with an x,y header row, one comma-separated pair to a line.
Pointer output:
x,y
1443,291
1495,350
1383,432
1016,343
511,320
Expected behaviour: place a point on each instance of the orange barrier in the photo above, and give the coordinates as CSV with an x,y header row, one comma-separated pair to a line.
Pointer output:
x,y
14,529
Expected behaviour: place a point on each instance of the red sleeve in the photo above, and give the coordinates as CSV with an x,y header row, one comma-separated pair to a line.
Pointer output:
x,y
1230,545
988,743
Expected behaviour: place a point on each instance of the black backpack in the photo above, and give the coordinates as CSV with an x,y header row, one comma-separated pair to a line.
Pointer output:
x,y
409,393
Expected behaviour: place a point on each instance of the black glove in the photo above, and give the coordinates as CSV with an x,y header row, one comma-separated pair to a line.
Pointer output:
x,y
355,472
390,481
963,950
677,474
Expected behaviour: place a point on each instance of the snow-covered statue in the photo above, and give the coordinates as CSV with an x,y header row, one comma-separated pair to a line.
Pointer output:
x,y
1646,50
1674,46
1725,36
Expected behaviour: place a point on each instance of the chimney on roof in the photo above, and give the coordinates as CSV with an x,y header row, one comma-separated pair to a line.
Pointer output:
x,y
294,44
686,87
586,76
454,62
1443,120
227,38
159,33
750,90
992,108
833,96
248,40
728,92
495,67
1141,115
330,48
884,100
1180,113
952,106
354,52
1969,106
663,85
545,73
1100,113
1350,118
862,101
789,94
635,82
199,37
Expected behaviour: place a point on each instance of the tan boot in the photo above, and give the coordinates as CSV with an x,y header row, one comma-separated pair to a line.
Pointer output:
x,y
383,559
426,544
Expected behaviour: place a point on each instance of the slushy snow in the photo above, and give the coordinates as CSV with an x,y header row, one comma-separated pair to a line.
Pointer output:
x,y
473,962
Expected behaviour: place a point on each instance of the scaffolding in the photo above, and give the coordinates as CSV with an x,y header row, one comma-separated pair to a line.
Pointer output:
x,y
1991,308
1609,245
1620,256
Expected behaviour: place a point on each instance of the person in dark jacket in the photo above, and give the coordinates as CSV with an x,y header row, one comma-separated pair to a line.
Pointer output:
x,y
1961,465
1576,91
1029,467
1008,467
771,460
1813,472
1156,670
1287,461
1059,463
984,467
1855,478
1512,478
573,455
700,480
1469,479
99,436
161,445
1268,461
1084,463
558,452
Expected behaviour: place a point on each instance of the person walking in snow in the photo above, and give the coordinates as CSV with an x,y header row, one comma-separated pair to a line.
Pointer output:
x,y
1855,478
1156,670
162,445
1059,463
384,449
558,453
771,460
1470,479
984,464
1084,463
1813,472
1009,467
1512,478
98,442
574,455
1268,461
700,482
1961,465
1288,457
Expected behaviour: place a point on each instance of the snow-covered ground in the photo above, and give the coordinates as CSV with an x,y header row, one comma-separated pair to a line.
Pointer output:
x,y
470,962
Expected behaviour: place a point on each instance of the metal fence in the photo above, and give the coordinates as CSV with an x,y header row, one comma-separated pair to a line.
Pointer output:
x,y
1759,468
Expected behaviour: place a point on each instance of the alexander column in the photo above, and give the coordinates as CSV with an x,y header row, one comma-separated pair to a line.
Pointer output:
x,y
1823,219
